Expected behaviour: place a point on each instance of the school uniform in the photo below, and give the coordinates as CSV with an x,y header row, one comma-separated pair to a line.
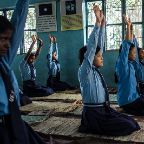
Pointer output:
x,y
53,80
128,95
141,80
142,70
97,116
24,100
13,130
30,86
139,68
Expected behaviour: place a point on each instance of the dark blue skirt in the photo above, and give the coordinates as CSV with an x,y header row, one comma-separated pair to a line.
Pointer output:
x,y
136,107
58,85
33,89
106,121
7,136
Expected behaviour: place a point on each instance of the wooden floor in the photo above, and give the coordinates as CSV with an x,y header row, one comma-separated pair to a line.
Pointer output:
x,y
59,115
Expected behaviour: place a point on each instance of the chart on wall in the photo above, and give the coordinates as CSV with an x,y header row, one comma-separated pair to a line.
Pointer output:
x,y
46,17
71,15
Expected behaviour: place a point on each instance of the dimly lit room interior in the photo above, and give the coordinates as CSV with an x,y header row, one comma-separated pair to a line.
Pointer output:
x,y
79,70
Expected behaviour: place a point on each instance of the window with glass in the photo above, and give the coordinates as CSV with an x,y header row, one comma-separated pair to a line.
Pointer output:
x,y
115,27
30,28
90,18
134,11
114,24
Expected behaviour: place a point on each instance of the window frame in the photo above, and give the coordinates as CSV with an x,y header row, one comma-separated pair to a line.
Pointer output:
x,y
123,11
22,49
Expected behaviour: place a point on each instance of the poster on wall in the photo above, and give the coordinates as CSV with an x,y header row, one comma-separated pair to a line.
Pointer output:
x,y
71,15
46,17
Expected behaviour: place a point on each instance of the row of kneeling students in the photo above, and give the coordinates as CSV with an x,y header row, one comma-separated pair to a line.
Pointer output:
x,y
28,71
97,115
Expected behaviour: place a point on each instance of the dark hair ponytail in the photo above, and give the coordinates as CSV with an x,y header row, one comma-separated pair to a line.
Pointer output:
x,y
115,75
81,54
83,50
5,24
115,78
97,49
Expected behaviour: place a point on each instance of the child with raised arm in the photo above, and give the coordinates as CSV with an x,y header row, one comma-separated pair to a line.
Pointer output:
x,y
140,70
129,97
13,130
28,72
97,115
54,68
139,67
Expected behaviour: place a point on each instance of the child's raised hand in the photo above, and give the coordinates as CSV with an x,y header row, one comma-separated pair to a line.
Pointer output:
x,y
33,38
103,21
40,41
98,13
127,20
52,39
